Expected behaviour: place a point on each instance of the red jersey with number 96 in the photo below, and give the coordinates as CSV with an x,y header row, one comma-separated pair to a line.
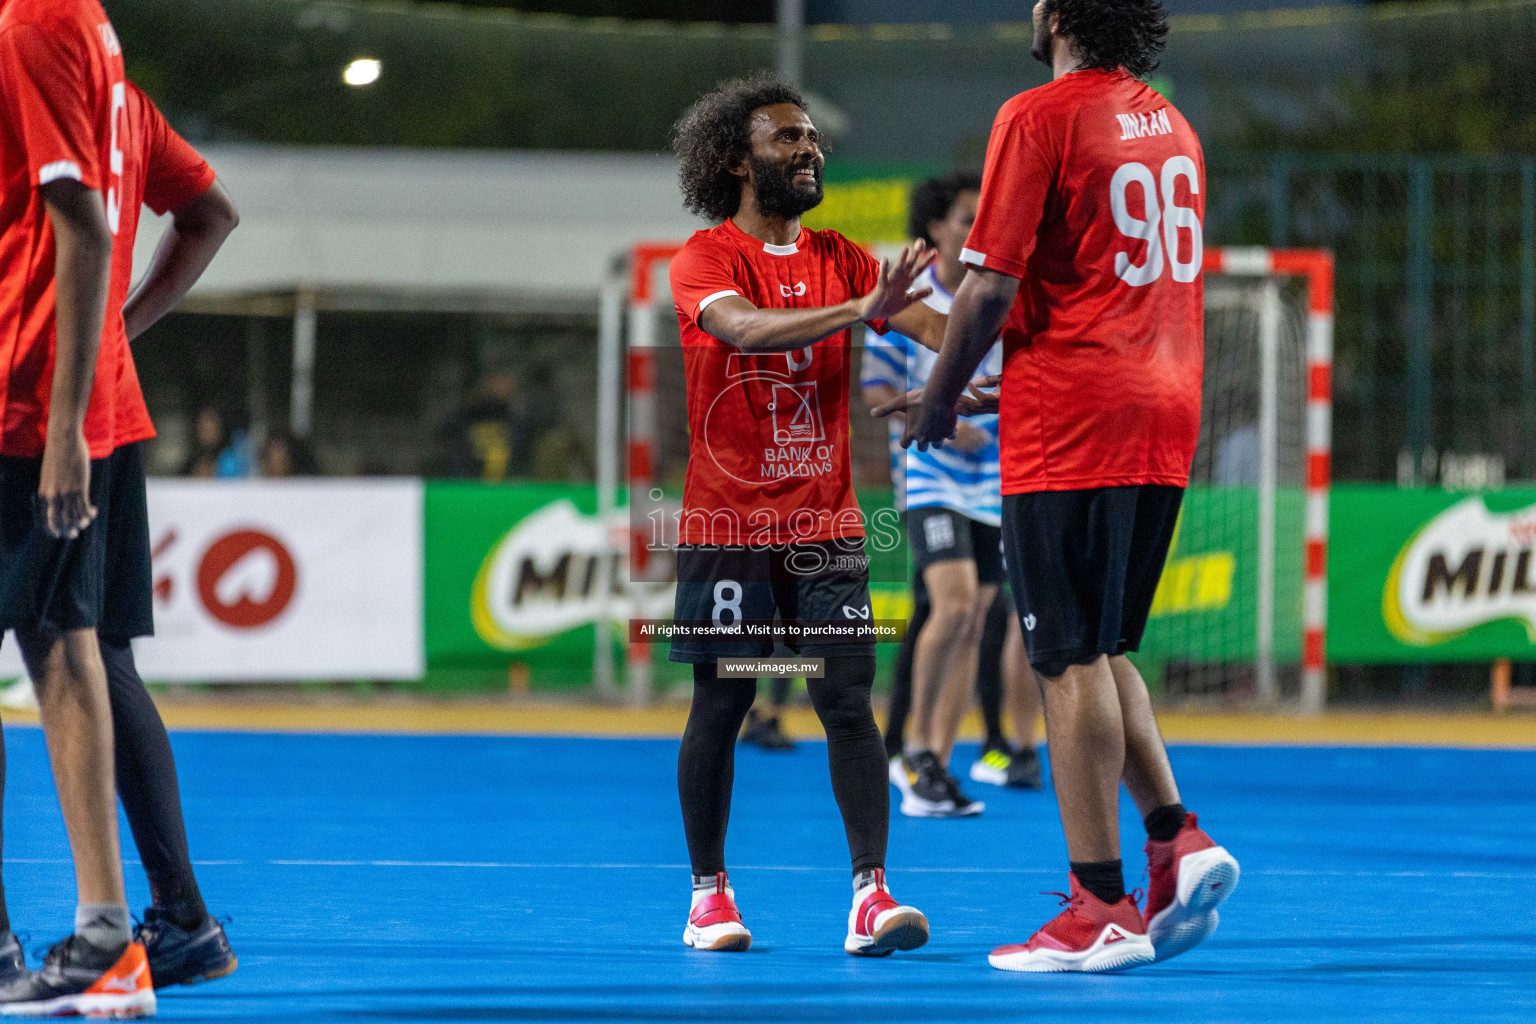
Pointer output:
x,y
1094,196
63,101
768,433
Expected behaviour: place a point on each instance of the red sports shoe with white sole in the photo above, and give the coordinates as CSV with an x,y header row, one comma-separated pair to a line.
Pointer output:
x,y
1188,876
1090,935
714,923
878,925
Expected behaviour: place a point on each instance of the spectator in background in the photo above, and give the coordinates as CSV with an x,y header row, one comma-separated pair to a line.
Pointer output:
x,y
215,452
284,455
491,437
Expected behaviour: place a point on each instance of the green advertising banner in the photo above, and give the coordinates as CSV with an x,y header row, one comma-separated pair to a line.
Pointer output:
x,y
512,574
1206,608
1431,576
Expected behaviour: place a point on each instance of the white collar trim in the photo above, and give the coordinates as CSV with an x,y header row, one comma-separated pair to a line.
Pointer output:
x,y
782,250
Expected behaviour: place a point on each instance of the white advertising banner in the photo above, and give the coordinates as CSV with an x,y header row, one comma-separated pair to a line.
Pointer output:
x,y
268,581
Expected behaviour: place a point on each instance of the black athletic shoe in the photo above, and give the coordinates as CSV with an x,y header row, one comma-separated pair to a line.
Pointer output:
x,y
179,956
13,960
79,979
1024,770
926,794
765,732
965,807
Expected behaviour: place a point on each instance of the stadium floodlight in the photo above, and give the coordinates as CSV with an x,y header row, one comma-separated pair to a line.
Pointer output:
x,y
362,71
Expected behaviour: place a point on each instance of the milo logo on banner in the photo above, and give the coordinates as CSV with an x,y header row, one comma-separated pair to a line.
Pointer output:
x,y
1466,567
558,569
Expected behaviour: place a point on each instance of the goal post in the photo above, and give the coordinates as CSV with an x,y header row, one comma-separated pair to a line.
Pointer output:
x,y
1311,271
1241,611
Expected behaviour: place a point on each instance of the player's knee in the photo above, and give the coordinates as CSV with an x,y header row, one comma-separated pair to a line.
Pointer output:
x,y
841,698
950,618
720,701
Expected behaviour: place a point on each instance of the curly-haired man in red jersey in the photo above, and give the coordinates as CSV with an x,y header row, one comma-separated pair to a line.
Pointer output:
x,y
770,525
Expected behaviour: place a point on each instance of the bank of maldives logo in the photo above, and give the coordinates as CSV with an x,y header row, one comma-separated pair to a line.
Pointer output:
x,y
1466,567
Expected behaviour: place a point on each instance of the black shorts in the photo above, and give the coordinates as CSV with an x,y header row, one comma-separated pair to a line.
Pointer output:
x,y
944,535
99,580
1084,566
819,582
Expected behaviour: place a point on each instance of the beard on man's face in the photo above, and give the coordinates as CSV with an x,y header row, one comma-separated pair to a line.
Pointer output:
x,y
778,192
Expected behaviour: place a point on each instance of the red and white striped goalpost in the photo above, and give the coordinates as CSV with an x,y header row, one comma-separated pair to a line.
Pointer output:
x,y
1313,266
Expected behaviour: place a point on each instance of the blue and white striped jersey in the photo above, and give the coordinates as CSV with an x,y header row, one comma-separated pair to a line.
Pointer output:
x,y
946,477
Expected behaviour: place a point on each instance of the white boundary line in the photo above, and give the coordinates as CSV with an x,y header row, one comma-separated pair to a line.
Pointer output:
x,y
604,866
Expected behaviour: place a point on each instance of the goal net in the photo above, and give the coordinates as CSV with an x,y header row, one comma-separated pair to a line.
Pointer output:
x,y
1239,613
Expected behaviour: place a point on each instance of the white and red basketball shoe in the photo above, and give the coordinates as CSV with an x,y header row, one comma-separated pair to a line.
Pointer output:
x,y
714,923
1188,876
878,925
1090,935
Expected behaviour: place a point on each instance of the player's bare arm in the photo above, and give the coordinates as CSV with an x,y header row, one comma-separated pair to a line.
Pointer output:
x,y
922,323
83,272
737,322
198,229
981,306
979,399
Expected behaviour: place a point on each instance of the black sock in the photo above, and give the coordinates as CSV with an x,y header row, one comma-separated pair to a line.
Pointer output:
x,y
1104,878
706,764
147,786
854,756
901,675
1164,823
989,670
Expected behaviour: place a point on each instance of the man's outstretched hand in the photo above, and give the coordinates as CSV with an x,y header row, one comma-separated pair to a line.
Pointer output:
x,y
894,292
976,401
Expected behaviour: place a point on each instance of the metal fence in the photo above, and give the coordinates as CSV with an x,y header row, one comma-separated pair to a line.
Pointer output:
x,y
1435,372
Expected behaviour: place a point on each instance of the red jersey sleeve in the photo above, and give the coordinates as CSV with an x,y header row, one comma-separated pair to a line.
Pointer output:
x,y
863,273
701,273
175,173
45,85
1014,187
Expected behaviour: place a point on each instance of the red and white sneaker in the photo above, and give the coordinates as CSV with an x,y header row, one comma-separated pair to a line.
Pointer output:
x,y
1187,877
878,925
1090,935
714,923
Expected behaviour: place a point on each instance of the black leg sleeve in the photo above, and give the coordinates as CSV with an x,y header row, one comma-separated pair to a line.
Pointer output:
x,y
901,677
147,786
989,667
706,763
855,756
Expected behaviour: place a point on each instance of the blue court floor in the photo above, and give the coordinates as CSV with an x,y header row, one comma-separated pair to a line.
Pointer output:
x,y
495,879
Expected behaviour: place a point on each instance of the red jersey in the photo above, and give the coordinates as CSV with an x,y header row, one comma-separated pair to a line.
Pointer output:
x,y
161,171
62,102
1094,196
768,434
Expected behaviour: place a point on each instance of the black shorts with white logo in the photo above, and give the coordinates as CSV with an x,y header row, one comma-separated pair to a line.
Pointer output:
x,y
1084,566
825,581
943,535
99,580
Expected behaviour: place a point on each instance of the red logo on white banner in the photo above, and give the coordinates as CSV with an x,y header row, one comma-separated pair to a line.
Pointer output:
x,y
246,579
